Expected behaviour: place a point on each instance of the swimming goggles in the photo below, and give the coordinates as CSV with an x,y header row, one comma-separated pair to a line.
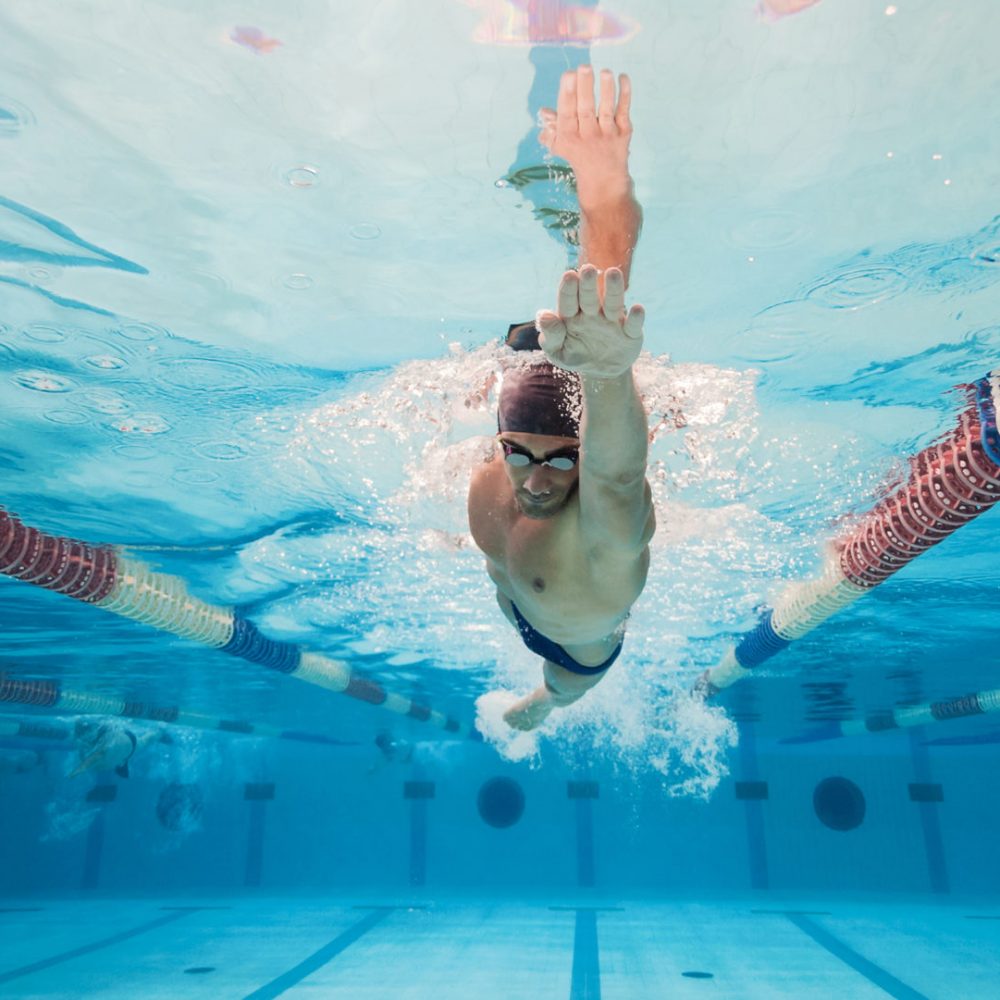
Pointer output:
x,y
562,461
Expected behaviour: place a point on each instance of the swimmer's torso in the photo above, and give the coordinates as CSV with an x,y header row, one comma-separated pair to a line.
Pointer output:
x,y
567,588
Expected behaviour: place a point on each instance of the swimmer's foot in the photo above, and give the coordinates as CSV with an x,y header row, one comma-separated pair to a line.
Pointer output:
x,y
531,711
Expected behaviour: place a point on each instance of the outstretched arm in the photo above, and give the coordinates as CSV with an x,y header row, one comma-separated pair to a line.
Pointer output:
x,y
592,334
594,141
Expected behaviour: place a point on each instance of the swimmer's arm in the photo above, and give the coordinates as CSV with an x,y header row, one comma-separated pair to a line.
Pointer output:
x,y
594,140
616,509
609,231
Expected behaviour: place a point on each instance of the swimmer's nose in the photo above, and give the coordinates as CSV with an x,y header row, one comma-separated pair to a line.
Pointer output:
x,y
538,481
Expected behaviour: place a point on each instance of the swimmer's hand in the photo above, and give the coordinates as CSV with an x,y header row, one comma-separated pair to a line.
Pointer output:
x,y
592,139
591,333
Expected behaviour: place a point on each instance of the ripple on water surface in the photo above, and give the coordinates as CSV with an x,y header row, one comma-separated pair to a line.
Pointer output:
x,y
14,118
783,334
43,381
209,373
859,288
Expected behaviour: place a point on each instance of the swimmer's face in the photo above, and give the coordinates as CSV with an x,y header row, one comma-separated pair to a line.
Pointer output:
x,y
540,491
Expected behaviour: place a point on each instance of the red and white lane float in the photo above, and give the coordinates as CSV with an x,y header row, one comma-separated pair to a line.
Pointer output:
x,y
108,578
53,696
950,483
903,716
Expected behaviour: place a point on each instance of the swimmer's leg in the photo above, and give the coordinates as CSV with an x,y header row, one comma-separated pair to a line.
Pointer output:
x,y
561,688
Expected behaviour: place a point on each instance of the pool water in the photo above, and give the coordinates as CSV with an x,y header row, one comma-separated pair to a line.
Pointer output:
x,y
254,270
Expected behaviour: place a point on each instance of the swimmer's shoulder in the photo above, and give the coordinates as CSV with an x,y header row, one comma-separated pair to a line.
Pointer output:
x,y
490,503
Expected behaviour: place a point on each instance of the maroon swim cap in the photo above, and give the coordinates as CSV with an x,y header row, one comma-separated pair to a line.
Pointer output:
x,y
540,399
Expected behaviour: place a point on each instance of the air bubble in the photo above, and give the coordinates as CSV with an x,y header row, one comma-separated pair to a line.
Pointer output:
x,y
366,231
302,176
106,362
42,381
298,282
142,423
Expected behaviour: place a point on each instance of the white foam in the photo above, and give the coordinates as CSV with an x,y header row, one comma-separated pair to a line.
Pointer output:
x,y
511,744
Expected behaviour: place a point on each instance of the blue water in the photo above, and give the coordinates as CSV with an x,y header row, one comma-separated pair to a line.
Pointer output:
x,y
253,269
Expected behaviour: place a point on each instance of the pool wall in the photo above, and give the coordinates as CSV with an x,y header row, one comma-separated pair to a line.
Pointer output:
x,y
317,818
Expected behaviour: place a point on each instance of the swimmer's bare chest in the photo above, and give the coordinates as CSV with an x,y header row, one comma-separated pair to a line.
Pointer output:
x,y
567,592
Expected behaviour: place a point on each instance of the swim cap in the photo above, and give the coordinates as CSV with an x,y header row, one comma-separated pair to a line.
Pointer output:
x,y
538,398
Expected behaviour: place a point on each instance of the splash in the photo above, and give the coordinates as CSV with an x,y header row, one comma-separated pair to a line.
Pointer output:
x,y
395,569
547,22
509,743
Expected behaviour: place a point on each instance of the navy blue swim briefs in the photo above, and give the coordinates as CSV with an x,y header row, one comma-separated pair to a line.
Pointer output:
x,y
552,651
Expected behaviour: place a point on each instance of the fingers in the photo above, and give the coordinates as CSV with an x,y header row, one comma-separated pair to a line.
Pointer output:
x,y
634,321
589,295
606,109
614,294
585,98
622,119
575,108
551,331
569,294
566,105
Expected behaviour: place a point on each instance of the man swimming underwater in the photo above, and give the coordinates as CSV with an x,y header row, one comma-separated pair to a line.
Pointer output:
x,y
562,511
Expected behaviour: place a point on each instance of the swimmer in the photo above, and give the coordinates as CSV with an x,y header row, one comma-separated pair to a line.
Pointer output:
x,y
109,746
562,510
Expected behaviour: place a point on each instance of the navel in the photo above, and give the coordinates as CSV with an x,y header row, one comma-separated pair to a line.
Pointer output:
x,y
539,584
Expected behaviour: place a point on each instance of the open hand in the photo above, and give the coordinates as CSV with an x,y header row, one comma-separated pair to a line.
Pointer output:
x,y
591,333
594,140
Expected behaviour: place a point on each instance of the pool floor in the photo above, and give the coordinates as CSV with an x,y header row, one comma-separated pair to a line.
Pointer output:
x,y
474,949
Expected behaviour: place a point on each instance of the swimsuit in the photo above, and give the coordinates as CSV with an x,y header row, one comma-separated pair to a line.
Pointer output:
x,y
553,652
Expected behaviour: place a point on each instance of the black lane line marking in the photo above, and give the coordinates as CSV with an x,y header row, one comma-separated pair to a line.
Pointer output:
x,y
319,958
191,909
798,913
395,906
978,916
873,973
588,909
586,983
65,956
21,909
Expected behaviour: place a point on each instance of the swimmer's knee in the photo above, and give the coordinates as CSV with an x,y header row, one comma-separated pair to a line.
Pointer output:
x,y
561,697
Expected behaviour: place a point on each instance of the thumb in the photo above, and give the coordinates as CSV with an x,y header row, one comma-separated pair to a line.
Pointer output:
x,y
552,331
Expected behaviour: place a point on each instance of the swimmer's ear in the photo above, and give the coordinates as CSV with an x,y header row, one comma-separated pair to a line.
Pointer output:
x,y
552,331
